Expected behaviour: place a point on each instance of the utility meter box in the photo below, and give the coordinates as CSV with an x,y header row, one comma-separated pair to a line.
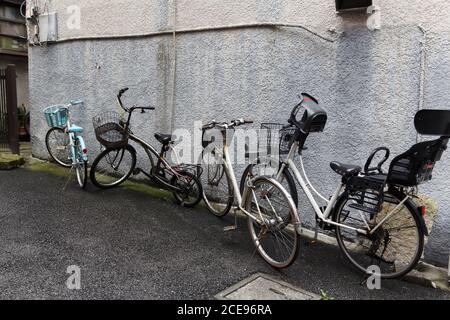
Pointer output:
x,y
48,27
346,5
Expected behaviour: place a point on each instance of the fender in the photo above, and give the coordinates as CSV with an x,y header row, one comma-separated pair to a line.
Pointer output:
x,y
248,193
83,147
399,195
413,207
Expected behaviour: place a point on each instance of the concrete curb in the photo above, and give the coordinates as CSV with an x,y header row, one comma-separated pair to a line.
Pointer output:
x,y
10,161
424,274
429,276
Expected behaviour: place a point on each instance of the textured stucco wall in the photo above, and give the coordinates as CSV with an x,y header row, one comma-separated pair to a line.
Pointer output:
x,y
368,81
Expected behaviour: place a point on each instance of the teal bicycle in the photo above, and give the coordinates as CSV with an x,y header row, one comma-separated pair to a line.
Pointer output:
x,y
64,141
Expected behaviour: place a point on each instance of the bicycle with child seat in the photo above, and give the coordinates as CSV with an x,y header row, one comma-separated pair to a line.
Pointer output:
x,y
272,217
64,142
117,162
372,212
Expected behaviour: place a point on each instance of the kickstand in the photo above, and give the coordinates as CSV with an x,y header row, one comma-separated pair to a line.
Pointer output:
x,y
235,226
68,179
364,282
316,235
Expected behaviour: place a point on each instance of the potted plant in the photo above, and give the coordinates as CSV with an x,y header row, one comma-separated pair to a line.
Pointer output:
x,y
22,113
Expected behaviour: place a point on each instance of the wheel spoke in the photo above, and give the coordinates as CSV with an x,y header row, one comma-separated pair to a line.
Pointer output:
x,y
395,245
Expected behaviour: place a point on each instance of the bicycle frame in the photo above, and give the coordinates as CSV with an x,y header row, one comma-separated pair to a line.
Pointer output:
x,y
248,191
325,216
162,163
73,137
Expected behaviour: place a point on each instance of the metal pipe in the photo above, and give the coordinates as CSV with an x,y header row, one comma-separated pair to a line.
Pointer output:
x,y
201,29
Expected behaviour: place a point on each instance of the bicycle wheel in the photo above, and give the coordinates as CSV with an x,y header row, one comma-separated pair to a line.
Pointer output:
x,y
287,181
218,192
57,142
275,237
81,169
395,247
191,189
113,166
81,166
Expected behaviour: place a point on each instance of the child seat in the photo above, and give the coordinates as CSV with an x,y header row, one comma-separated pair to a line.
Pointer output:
x,y
416,165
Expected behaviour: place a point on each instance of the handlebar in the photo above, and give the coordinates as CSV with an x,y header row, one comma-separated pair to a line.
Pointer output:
x,y
293,118
76,103
132,109
122,91
368,169
225,125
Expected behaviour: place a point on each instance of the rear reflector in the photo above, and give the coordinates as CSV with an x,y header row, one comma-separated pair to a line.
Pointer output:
x,y
423,210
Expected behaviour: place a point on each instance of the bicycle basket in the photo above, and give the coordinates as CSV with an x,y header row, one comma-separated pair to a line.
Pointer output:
x,y
56,116
110,131
277,137
367,193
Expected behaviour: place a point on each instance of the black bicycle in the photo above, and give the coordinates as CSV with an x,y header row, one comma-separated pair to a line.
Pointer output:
x,y
117,162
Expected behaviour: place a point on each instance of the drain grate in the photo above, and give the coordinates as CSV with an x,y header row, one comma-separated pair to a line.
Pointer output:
x,y
264,287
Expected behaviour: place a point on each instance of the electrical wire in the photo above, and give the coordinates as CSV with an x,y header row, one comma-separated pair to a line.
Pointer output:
x,y
21,7
203,29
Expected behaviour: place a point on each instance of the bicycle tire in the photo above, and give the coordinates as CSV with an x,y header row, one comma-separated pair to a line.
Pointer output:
x,y
82,174
96,169
62,158
288,225
355,258
220,208
180,198
287,176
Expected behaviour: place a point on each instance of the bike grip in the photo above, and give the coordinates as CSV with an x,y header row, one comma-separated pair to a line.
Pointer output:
x,y
76,102
122,91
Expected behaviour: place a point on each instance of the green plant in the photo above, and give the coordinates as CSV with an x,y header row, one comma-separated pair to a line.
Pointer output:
x,y
21,112
324,295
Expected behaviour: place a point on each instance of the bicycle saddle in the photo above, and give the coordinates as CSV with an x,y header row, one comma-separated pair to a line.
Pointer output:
x,y
345,170
75,129
165,139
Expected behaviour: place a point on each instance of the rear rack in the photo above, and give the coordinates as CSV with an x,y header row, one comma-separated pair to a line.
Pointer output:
x,y
367,192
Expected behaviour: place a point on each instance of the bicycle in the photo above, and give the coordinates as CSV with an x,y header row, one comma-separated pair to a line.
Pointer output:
x,y
372,212
64,142
117,162
272,217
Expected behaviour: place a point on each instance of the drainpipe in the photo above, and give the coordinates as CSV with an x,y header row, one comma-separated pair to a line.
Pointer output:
x,y
423,62
449,269
174,68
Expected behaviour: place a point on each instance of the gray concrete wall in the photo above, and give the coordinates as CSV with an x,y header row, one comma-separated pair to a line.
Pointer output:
x,y
370,82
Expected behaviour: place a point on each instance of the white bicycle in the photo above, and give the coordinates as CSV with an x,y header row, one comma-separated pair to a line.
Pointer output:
x,y
373,214
272,216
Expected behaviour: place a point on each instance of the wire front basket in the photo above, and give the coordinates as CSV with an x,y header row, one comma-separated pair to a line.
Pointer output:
x,y
278,137
56,116
110,131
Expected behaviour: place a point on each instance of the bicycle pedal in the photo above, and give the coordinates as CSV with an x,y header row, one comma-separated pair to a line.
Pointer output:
x,y
230,228
136,171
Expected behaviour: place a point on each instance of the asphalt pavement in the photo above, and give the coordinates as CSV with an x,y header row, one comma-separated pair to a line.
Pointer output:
x,y
129,245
